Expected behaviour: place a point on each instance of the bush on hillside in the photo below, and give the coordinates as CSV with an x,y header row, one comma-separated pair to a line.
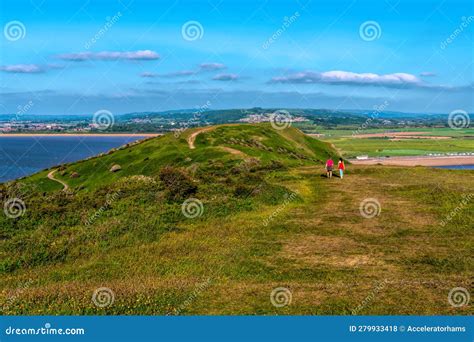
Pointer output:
x,y
178,184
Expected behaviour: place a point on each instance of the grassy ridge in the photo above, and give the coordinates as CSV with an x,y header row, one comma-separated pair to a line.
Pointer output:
x,y
288,147
269,220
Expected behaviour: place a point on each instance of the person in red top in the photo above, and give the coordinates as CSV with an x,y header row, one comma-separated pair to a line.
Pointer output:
x,y
329,167
341,167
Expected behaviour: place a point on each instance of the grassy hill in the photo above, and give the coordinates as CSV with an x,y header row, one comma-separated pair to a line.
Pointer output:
x,y
213,220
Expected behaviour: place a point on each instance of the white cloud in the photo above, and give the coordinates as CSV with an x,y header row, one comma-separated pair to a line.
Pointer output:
x,y
350,78
226,77
110,55
211,66
22,68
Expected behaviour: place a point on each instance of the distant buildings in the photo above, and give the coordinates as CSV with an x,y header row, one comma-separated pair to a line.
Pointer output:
x,y
258,118
22,126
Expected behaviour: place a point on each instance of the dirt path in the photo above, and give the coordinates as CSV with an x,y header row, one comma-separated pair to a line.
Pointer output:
x,y
51,176
192,138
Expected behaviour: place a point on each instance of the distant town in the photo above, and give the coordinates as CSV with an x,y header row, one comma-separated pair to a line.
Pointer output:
x,y
161,122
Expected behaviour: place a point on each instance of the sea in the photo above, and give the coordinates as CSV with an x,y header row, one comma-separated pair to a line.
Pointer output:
x,y
456,167
22,156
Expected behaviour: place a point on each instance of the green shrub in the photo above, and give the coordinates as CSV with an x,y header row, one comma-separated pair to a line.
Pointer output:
x,y
177,183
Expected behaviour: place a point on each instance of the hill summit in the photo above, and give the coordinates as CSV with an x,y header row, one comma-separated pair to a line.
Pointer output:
x,y
201,150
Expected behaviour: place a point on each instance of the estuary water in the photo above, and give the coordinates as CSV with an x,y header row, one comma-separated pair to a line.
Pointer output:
x,y
24,155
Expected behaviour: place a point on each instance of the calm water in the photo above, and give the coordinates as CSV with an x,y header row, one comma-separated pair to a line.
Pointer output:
x,y
23,156
457,167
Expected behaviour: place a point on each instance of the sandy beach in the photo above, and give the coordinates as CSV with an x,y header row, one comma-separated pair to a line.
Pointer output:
x,y
80,135
417,161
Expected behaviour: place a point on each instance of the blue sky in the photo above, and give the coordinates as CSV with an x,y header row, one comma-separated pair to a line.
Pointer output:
x,y
77,57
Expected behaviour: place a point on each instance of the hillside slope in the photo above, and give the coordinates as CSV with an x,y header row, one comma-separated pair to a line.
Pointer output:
x,y
258,144
216,228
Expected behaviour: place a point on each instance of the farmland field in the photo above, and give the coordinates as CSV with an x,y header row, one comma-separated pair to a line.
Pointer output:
x,y
459,141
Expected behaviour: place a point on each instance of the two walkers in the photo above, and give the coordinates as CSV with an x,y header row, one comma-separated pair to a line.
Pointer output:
x,y
340,166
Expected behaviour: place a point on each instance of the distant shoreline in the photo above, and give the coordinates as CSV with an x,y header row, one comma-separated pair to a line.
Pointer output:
x,y
417,161
79,135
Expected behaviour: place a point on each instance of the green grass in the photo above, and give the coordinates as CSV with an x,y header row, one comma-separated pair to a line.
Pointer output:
x,y
350,130
269,220
380,147
460,141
